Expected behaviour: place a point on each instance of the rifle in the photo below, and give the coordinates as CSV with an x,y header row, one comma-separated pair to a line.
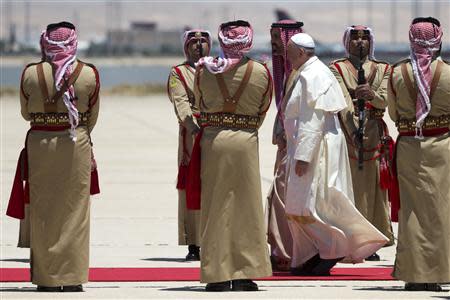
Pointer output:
x,y
361,114
200,47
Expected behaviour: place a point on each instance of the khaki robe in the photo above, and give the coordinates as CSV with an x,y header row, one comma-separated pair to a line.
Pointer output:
x,y
423,168
182,98
233,237
59,178
370,199
24,229
279,235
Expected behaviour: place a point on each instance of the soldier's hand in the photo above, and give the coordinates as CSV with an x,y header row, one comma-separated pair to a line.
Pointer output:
x,y
301,167
281,142
364,91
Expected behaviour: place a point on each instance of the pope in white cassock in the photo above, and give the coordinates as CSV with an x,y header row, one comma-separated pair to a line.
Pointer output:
x,y
325,225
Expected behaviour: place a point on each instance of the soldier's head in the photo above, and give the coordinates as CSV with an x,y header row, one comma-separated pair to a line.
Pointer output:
x,y
58,37
425,36
235,38
358,41
197,43
300,49
280,33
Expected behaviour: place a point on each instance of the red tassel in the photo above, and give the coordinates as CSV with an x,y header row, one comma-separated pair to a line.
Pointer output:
x,y
394,198
95,186
16,205
182,177
193,183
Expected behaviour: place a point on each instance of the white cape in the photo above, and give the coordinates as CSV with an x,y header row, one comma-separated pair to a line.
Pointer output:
x,y
324,193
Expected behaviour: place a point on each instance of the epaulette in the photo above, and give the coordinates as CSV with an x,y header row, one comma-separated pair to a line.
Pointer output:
x,y
404,60
32,64
258,60
380,61
179,65
88,64
338,60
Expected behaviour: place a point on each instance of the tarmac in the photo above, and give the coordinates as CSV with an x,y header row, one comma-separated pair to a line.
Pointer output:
x,y
134,219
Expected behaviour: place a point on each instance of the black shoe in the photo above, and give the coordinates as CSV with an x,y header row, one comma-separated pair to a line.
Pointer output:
x,y
411,286
73,288
373,257
433,287
306,268
324,266
224,286
48,289
244,285
194,253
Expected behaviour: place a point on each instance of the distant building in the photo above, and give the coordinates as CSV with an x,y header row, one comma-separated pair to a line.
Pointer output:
x,y
144,38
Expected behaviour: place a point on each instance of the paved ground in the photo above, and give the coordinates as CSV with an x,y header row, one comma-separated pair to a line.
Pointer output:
x,y
134,220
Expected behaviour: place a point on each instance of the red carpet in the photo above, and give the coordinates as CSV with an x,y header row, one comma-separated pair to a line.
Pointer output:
x,y
193,274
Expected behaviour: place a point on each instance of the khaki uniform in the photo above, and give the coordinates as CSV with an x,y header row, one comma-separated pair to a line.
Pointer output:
x,y
24,229
370,199
423,168
59,177
181,94
279,236
233,237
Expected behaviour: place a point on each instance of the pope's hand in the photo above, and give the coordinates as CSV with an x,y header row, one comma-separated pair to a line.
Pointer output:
x,y
301,167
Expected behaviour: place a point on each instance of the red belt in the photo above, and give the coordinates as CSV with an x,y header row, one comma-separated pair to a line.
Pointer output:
x,y
50,127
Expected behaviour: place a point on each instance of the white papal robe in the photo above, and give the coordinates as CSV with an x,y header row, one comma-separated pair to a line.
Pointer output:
x,y
320,204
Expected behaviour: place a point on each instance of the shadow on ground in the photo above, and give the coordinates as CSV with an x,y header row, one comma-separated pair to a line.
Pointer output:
x,y
21,260
166,259
18,290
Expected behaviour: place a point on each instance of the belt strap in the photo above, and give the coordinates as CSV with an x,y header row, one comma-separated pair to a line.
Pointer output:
x,y
49,106
231,102
436,77
412,90
50,103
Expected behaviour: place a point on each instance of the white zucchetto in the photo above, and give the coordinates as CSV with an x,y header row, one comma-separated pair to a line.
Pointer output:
x,y
303,40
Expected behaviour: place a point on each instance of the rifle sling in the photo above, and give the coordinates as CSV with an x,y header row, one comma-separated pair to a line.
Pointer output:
x,y
412,88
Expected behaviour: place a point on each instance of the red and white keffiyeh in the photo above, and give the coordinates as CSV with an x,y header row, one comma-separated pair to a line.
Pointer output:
x,y
195,34
347,38
425,41
281,67
59,47
236,39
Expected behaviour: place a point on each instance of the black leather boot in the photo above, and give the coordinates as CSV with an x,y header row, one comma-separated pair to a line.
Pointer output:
x,y
73,288
48,289
224,286
244,285
324,267
307,267
373,257
193,254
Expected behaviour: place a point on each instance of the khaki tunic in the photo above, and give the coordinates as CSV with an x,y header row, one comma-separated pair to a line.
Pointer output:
x,y
59,178
182,98
370,199
279,235
233,237
423,168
